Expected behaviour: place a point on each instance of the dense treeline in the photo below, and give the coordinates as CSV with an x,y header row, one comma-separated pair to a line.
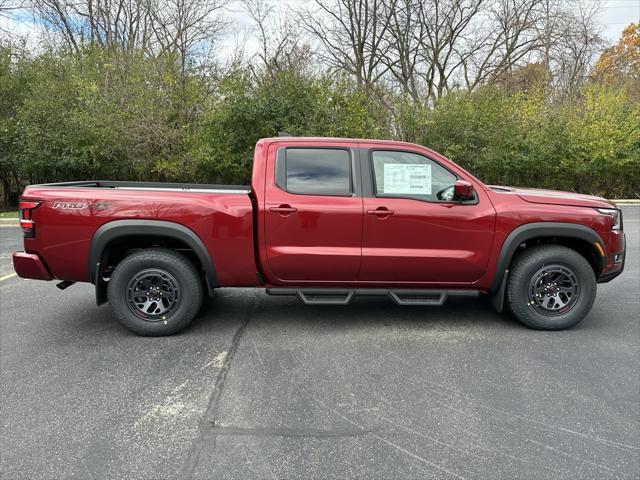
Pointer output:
x,y
99,111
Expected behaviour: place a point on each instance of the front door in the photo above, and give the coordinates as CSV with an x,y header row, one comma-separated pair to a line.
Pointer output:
x,y
413,230
313,217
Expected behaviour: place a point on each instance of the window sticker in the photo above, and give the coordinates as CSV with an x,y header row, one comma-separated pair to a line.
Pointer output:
x,y
407,179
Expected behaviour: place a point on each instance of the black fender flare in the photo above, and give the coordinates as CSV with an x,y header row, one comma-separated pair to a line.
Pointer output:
x,y
149,228
534,230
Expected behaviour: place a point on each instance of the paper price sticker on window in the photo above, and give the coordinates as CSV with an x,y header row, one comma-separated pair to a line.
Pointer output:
x,y
407,179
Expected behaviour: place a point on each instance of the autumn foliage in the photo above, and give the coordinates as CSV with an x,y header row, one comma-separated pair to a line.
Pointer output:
x,y
621,63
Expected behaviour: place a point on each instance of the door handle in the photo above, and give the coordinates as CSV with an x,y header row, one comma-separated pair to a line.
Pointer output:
x,y
283,209
380,212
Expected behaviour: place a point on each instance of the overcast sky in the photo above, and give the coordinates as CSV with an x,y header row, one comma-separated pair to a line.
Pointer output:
x,y
617,14
614,16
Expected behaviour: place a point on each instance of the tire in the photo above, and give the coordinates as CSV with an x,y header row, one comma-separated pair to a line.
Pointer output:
x,y
551,287
155,292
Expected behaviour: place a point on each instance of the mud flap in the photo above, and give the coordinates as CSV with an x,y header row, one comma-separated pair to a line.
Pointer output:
x,y
497,299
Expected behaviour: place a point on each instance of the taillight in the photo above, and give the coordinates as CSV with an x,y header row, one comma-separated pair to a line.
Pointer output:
x,y
27,224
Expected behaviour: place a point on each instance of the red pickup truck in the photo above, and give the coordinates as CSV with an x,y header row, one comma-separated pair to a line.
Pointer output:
x,y
324,219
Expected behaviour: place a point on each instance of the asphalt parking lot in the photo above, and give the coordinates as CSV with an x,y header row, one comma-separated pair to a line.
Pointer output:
x,y
264,387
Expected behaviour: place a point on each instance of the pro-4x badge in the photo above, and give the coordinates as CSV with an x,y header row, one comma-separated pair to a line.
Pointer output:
x,y
70,205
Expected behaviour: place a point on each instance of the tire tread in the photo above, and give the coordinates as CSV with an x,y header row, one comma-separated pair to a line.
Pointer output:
x,y
191,283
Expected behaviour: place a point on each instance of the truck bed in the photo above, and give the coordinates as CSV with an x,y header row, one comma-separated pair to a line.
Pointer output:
x,y
71,213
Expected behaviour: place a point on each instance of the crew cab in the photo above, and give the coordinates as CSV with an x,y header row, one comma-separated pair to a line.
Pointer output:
x,y
324,219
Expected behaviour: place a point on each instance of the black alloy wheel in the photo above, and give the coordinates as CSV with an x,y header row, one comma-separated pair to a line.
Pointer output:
x,y
553,290
153,294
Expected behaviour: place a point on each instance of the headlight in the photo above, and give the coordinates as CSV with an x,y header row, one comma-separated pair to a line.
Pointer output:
x,y
616,217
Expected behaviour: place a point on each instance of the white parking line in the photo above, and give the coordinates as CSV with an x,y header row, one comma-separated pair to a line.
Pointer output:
x,y
8,276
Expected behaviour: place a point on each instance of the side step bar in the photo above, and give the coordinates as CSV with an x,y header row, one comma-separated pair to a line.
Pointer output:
x,y
340,296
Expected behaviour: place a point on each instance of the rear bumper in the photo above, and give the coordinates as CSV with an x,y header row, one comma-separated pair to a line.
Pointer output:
x,y
29,265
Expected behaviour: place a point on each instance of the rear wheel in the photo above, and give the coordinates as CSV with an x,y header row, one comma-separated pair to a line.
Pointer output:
x,y
551,287
155,292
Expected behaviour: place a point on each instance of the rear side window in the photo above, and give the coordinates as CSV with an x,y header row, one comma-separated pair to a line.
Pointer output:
x,y
315,171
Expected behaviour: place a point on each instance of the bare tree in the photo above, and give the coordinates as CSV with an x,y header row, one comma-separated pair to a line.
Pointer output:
x,y
448,23
579,42
403,56
548,27
437,45
426,47
60,15
176,26
509,39
352,34
185,26
123,24
7,7
422,48
281,44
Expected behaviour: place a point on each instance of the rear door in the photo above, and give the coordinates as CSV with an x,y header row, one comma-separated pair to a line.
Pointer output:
x,y
413,232
313,214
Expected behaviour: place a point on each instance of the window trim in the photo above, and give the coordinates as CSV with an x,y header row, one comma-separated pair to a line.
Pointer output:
x,y
407,197
281,171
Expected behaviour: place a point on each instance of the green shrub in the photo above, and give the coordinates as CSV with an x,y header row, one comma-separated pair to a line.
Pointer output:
x,y
589,144
104,114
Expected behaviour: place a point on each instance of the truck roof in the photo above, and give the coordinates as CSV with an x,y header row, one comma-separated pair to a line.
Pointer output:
x,y
337,139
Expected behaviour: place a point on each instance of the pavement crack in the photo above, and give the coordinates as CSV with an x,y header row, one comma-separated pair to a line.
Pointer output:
x,y
392,444
210,417
287,432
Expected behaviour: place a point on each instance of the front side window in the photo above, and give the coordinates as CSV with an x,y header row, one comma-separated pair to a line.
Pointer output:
x,y
318,171
410,175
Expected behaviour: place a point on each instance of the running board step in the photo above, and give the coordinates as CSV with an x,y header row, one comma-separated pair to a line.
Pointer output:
x,y
340,296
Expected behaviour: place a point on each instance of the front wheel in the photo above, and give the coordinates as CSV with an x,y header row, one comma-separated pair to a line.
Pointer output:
x,y
551,287
155,292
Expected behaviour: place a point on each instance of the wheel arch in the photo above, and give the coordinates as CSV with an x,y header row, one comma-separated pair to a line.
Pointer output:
x,y
152,231
581,238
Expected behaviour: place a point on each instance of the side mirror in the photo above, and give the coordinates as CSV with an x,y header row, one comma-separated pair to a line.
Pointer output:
x,y
463,190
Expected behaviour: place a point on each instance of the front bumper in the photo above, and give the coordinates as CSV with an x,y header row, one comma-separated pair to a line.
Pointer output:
x,y
615,264
607,277
29,265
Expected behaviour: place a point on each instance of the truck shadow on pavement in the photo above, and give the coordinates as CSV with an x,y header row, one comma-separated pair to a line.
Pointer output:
x,y
227,307
361,313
